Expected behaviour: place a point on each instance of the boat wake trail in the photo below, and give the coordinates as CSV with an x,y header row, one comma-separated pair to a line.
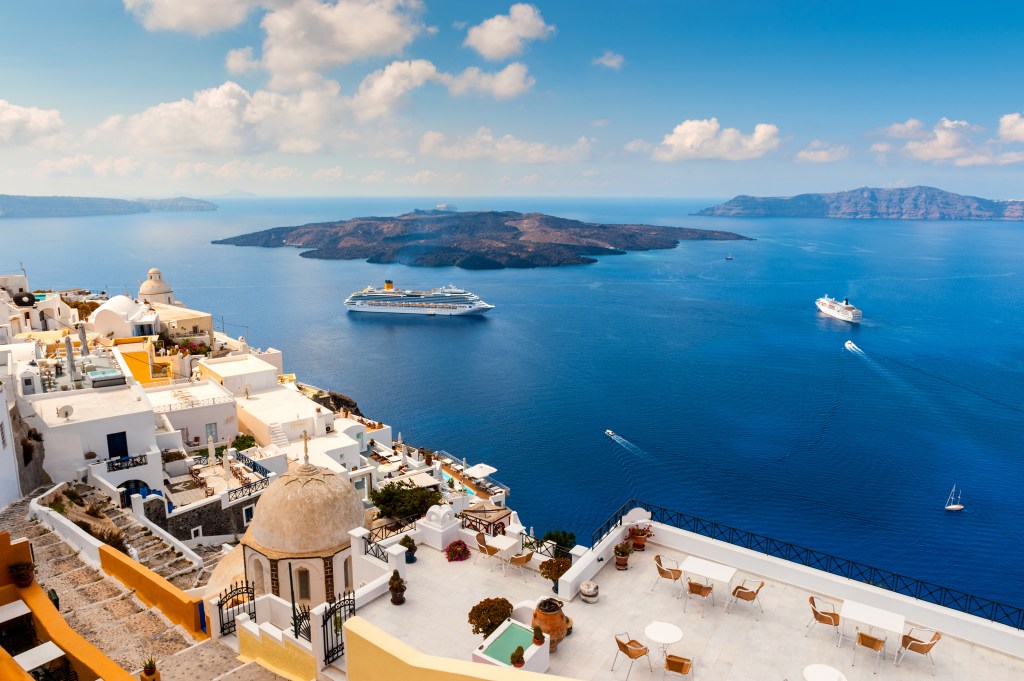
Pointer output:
x,y
630,447
852,347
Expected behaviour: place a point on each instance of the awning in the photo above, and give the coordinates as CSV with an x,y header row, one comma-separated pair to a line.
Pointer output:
x,y
481,470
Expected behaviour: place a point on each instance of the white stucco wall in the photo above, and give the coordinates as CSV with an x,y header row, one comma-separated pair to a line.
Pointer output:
x,y
10,490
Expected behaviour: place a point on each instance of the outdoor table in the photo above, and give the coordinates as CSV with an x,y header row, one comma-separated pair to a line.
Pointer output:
x,y
38,656
503,543
13,611
709,569
873,617
664,634
822,672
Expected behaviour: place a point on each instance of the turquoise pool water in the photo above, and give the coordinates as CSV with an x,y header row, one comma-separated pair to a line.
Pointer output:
x,y
464,488
501,648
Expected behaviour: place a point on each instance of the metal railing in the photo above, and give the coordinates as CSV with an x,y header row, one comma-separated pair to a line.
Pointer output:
x,y
161,384
376,550
125,464
381,533
190,404
544,548
480,525
248,490
253,466
953,599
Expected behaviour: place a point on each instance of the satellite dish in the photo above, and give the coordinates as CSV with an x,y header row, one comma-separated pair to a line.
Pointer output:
x,y
65,412
24,299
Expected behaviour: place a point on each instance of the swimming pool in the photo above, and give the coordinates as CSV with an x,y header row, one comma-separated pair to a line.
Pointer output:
x,y
515,635
465,488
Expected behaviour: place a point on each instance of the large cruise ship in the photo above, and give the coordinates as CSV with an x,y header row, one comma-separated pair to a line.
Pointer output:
x,y
446,300
840,310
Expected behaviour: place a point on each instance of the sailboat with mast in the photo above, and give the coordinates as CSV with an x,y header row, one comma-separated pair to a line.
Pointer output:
x,y
953,502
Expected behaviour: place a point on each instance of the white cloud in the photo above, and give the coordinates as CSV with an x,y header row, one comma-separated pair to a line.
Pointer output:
x,y
529,179
240,61
589,173
376,177
307,36
504,35
198,17
27,124
638,146
1011,128
506,149
610,60
911,129
601,122
334,173
233,170
706,139
948,140
430,177
511,81
881,147
822,152
86,165
988,158
382,89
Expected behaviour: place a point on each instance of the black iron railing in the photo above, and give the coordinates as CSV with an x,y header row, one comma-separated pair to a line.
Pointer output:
x,y
337,612
884,579
544,548
248,490
381,533
376,550
253,466
493,529
126,463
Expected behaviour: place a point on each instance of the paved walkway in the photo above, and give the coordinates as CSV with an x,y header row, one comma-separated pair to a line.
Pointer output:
x,y
213,661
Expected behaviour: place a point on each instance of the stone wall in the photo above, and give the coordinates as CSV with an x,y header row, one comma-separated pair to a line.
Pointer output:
x,y
29,452
210,516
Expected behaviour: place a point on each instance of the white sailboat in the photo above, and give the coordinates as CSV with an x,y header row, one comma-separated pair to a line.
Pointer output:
x,y
953,504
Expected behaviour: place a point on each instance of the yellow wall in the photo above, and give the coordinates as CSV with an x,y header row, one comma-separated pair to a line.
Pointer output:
x,y
154,590
18,552
281,657
374,655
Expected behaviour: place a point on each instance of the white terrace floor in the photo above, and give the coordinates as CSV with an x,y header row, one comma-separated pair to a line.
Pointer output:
x,y
726,647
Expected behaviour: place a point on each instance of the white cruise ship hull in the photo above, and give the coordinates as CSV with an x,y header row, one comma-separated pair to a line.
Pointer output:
x,y
833,308
401,308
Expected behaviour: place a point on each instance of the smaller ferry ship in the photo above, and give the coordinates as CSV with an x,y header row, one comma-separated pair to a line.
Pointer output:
x,y
446,300
840,310
610,433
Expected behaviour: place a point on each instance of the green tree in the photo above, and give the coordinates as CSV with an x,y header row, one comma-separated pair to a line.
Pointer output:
x,y
401,499
565,540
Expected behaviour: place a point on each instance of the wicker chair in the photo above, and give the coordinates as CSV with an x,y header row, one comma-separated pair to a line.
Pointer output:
x,y
484,550
672,574
632,649
519,561
748,592
701,591
871,643
911,643
823,612
679,665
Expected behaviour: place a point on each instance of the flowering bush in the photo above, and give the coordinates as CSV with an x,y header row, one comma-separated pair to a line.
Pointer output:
x,y
554,568
456,551
639,531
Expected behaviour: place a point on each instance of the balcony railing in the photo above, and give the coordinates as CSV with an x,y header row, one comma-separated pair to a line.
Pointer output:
x,y
381,533
248,490
125,463
252,465
953,599
191,404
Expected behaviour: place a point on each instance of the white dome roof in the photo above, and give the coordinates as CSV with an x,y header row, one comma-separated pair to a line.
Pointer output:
x,y
154,284
307,511
122,306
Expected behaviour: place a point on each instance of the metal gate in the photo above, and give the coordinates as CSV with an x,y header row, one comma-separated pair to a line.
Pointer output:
x,y
334,619
301,622
238,598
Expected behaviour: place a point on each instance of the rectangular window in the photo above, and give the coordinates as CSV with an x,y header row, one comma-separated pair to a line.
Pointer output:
x,y
197,532
247,514
211,431
303,577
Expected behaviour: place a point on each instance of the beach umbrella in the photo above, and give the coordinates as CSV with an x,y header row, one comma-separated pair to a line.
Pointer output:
x,y
71,357
84,341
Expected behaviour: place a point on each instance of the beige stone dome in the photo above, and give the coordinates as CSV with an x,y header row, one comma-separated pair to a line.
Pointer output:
x,y
308,511
154,284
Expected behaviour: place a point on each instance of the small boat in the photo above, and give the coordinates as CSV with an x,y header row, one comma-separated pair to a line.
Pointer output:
x,y
610,433
729,257
954,504
851,346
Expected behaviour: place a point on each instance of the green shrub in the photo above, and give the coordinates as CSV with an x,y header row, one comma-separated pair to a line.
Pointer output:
x,y
564,539
401,499
243,441
73,496
94,510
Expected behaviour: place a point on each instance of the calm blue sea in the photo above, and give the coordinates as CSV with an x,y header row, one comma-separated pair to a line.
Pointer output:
x,y
737,397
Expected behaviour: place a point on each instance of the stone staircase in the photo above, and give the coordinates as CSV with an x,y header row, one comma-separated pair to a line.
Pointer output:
x,y
277,435
156,554
98,607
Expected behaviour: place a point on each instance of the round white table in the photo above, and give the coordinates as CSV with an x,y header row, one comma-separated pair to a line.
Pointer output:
x,y
664,634
822,672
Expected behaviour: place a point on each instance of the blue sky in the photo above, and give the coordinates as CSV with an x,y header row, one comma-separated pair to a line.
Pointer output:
x,y
410,97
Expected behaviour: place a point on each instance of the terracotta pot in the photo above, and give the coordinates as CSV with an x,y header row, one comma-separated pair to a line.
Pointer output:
x,y
639,542
397,596
552,621
155,676
23,582
517,665
538,642
621,562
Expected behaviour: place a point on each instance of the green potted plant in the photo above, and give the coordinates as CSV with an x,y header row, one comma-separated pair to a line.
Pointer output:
x,y
396,585
149,672
517,658
488,614
538,636
410,548
622,551
639,534
553,569
22,573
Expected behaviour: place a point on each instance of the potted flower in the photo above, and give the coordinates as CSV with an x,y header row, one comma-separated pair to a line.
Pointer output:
x,y
517,658
22,573
553,569
487,615
622,552
149,672
639,534
410,548
538,636
428,456
456,551
396,585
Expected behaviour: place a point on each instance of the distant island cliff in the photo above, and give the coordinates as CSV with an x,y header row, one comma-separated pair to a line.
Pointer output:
x,y
12,206
910,203
475,240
